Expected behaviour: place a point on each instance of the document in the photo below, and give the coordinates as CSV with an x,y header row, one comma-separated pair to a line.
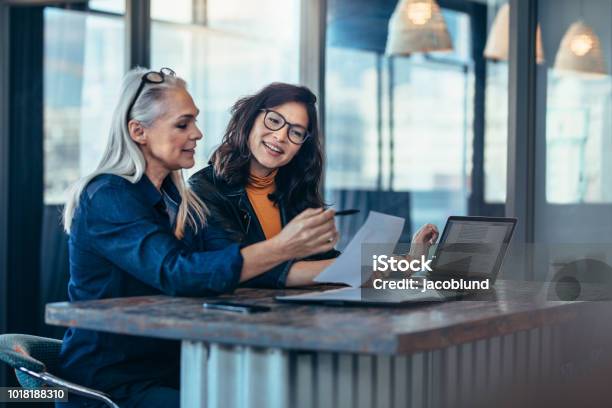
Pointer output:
x,y
382,231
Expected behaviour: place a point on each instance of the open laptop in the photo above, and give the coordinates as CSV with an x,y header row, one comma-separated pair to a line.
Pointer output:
x,y
470,248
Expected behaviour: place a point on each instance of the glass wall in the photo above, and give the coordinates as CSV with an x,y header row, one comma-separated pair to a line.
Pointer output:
x,y
578,102
496,98
574,123
224,49
227,50
83,67
399,130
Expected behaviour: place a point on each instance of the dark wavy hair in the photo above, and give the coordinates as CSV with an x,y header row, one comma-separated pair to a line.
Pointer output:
x,y
297,183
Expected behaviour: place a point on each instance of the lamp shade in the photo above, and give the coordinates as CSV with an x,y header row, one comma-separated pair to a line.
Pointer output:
x,y
580,51
498,42
417,26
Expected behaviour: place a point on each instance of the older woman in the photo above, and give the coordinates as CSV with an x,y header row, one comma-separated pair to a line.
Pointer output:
x,y
132,224
266,171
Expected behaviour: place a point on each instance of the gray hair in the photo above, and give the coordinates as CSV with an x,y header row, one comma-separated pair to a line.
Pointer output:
x,y
123,157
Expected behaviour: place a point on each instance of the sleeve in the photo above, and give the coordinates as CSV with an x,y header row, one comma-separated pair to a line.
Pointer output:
x,y
274,278
215,237
128,233
331,254
277,276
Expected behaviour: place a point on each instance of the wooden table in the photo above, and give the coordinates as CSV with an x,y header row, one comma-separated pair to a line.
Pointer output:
x,y
326,356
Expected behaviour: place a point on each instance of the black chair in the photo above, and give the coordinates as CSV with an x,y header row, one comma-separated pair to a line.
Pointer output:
x,y
32,358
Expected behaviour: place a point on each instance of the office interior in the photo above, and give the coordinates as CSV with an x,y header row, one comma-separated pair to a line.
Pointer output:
x,y
507,113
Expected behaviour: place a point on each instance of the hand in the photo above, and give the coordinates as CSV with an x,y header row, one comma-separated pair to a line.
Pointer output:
x,y
424,238
313,231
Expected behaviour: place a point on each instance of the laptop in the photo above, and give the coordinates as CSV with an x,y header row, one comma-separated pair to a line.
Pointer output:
x,y
469,249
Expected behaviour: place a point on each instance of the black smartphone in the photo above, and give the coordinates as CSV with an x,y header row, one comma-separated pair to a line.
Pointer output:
x,y
235,307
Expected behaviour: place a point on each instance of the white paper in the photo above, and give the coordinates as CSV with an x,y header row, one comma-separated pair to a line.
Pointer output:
x,y
378,229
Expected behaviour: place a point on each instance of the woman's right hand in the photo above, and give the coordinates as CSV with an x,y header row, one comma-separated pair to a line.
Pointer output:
x,y
313,231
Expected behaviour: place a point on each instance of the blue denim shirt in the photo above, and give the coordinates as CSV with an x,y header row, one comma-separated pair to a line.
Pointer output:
x,y
122,244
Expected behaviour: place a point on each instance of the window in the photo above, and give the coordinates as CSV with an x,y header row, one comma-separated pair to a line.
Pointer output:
x,y
576,110
496,132
396,127
234,51
578,140
351,119
496,101
109,6
432,127
83,67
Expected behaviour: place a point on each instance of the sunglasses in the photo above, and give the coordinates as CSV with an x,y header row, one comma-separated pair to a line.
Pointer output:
x,y
151,77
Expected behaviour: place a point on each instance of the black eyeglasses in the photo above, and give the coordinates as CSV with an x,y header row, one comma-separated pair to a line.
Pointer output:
x,y
275,121
151,77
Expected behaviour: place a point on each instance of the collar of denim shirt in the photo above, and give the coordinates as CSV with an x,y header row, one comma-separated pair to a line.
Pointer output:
x,y
152,195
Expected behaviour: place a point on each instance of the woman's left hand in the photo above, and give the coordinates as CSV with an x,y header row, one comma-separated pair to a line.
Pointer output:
x,y
425,237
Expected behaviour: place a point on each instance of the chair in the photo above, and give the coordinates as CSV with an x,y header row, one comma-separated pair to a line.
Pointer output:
x,y
32,356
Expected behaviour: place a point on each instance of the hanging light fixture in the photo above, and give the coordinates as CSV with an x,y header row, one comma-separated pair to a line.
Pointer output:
x,y
417,26
580,51
498,41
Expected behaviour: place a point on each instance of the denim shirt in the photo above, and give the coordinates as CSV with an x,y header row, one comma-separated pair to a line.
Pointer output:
x,y
122,244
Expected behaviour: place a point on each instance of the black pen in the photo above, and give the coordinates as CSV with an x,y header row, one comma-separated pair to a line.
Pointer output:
x,y
346,212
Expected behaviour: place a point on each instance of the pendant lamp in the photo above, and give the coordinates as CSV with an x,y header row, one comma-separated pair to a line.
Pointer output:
x,y
580,51
417,26
498,42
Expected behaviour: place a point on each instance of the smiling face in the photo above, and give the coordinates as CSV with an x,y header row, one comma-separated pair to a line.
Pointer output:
x,y
169,143
272,149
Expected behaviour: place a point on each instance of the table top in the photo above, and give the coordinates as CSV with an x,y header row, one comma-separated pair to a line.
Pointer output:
x,y
512,306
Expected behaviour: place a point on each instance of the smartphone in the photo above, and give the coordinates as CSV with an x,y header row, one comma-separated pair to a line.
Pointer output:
x,y
235,307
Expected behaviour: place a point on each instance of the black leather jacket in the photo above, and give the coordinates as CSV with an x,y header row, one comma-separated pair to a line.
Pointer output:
x,y
232,212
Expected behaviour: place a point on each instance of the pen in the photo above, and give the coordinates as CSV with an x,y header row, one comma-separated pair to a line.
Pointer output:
x,y
346,212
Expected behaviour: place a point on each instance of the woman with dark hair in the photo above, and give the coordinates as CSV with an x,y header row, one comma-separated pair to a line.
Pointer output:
x,y
265,173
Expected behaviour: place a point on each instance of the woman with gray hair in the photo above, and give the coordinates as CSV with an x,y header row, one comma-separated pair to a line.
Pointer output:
x,y
137,229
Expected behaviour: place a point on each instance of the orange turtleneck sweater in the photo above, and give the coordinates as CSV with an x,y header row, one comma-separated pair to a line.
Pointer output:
x,y
268,214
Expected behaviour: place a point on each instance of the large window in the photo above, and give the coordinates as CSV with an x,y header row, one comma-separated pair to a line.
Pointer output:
x,y
228,50
224,49
496,101
574,123
397,127
578,139
351,119
433,137
578,101
83,66
496,132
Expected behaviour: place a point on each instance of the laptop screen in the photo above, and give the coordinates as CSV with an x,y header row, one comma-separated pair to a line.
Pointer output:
x,y
472,247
